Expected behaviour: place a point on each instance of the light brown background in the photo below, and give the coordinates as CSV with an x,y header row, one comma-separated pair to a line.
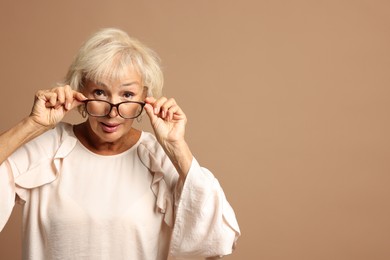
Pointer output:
x,y
288,105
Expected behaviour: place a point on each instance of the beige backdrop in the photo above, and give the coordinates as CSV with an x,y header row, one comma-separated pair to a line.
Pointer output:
x,y
288,105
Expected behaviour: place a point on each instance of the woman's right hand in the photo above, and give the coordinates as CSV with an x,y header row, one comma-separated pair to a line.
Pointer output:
x,y
50,106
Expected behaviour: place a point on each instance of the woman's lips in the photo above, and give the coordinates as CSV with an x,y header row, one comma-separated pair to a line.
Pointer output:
x,y
109,128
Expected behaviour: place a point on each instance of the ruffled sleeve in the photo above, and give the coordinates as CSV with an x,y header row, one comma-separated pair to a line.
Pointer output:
x,y
7,193
34,164
203,222
164,174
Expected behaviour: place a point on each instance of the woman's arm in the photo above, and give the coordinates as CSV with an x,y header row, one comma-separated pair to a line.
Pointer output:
x,y
50,106
205,223
18,135
168,122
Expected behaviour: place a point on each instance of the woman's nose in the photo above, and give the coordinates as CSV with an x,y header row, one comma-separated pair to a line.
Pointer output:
x,y
113,112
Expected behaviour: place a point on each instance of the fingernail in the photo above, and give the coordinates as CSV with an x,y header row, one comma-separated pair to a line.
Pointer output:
x,y
156,110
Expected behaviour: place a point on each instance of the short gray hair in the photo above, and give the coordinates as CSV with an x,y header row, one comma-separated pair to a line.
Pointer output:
x,y
109,53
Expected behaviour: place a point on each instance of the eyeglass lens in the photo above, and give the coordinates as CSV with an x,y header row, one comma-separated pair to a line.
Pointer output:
x,y
102,108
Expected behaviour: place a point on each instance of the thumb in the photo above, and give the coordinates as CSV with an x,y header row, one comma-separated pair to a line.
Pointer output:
x,y
77,101
150,112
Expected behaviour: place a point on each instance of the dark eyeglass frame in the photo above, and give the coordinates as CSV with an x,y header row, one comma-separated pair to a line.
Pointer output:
x,y
142,104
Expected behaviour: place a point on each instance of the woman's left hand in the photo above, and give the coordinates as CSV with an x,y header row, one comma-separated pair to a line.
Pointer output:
x,y
167,119
168,122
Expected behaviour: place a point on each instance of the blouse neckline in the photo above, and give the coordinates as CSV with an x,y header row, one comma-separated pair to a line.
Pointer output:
x,y
79,143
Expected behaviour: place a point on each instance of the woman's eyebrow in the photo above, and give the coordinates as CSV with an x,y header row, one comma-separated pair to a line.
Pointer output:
x,y
126,84
129,84
101,84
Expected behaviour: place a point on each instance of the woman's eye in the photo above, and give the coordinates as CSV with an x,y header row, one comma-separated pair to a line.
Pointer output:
x,y
128,95
98,92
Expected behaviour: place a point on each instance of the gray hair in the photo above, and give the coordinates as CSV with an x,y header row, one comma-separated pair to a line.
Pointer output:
x,y
108,54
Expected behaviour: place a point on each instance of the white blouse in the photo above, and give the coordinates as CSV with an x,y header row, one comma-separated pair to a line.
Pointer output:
x,y
81,205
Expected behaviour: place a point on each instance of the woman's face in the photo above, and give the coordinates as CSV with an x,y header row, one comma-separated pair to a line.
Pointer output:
x,y
112,128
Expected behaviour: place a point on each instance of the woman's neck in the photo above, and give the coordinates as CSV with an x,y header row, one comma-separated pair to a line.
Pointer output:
x,y
90,140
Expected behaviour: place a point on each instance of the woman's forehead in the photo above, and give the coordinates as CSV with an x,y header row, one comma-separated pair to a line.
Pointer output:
x,y
125,76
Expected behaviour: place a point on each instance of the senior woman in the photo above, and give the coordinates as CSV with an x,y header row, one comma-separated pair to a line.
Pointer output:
x,y
103,189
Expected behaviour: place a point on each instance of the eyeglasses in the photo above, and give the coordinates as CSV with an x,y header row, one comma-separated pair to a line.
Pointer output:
x,y
102,108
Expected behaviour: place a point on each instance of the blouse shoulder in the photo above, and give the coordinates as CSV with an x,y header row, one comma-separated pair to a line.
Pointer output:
x,y
44,145
32,164
149,141
153,156
165,176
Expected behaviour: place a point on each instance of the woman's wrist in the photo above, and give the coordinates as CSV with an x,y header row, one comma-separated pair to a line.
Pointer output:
x,y
18,135
30,128
180,155
30,121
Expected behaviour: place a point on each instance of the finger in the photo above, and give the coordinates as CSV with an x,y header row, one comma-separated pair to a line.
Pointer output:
x,y
40,95
167,106
150,112
158,103
177,114
41,99
77,99
68,97
55,97
60,96
51,99
74,99
173,111
49,102
150,100
79,96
